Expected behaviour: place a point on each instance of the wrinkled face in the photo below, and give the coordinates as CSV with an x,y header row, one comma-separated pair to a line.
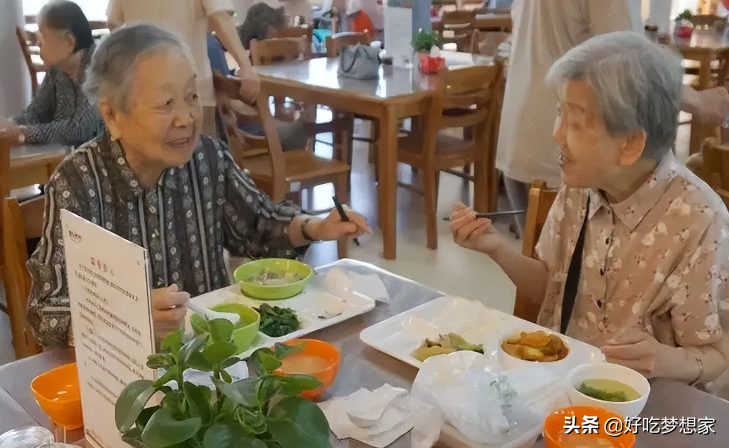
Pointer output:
x,y
55,46
162,121
588,154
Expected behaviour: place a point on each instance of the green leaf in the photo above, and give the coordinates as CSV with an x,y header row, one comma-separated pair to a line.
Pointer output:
x,y
199,324
172,402
144,417
173,342
229,436
192,346
131,402
253,420
133,437
242,392
163,430
230,362
283,350
169,375
221,330
160,361
226,376
217,352
198,362
293,385
198,400
295,422
264,361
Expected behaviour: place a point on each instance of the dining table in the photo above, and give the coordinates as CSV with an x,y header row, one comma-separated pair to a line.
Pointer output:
x,y
398,93
484,22
362,366
34,164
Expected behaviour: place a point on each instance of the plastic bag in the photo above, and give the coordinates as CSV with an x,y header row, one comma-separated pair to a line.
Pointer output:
x,y
467,391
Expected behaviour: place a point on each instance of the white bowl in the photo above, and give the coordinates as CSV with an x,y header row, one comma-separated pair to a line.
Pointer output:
x,y
506,361
606,371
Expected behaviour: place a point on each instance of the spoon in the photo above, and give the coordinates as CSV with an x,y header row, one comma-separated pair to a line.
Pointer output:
x,y
210,314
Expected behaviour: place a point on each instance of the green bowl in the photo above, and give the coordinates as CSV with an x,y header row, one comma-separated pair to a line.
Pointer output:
x,y
245,330
278,292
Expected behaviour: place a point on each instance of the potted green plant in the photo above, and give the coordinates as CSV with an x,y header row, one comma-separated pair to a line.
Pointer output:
x,y
263,411
684,28
423,42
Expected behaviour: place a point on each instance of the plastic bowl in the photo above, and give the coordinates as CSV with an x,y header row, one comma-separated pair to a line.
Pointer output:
x,y
319,349
607,371
58,394
554,427
278,292
510,362
244,332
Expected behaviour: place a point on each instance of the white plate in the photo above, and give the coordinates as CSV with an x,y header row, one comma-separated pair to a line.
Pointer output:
x,y
309,306
401,334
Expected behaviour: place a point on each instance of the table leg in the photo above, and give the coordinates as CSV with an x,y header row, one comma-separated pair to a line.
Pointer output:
x,y
387,186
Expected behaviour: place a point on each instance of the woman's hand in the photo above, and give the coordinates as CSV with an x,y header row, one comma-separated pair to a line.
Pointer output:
x,y
474,233
169,307
333,228
250,85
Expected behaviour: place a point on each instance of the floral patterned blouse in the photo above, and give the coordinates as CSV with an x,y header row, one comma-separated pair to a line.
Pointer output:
x,y
195,212
658,260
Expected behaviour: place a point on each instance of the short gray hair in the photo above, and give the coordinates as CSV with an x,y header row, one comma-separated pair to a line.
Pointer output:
x,y
110,72
637,82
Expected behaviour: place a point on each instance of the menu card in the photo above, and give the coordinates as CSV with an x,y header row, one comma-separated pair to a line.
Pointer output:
x,y
108,287
398,35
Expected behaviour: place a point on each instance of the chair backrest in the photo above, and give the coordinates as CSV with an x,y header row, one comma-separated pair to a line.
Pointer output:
x,y
335,42
462,24
243,144
710,21
303,33
541,199
276,50
20,34
715,169
20,222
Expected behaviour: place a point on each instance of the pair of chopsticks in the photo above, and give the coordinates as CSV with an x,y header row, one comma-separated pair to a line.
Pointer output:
x,y
342,215
494,214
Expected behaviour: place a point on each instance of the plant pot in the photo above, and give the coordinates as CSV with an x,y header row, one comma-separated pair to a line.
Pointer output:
x,y
430,65
684,29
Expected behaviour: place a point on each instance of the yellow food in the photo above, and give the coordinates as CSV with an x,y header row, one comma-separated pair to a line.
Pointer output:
x,y
585,441
609,390
537,346
303,363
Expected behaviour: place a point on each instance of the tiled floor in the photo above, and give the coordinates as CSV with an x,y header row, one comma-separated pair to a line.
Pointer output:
x,y
449,269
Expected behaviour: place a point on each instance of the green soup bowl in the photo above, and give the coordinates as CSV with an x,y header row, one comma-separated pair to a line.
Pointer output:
x,y
244,332
246,274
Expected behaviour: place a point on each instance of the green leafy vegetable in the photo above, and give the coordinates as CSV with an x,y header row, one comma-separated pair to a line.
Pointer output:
x,y
277,321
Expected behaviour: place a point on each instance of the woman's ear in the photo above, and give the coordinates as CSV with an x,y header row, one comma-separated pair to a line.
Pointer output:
x,y
110,115
633,147
71,40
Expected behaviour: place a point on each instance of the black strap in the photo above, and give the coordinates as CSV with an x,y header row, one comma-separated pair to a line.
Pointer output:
x,y
573,275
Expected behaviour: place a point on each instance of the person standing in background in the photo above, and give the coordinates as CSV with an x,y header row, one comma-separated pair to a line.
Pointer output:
x,y
190,20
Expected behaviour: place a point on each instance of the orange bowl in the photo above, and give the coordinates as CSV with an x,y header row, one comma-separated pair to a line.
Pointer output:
x,y
554,429
57,393
318,358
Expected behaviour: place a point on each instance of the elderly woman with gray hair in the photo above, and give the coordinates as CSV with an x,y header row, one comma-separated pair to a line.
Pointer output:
x,y
155,181
634,257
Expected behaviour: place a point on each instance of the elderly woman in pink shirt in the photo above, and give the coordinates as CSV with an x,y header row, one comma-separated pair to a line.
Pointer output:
x,y
634,257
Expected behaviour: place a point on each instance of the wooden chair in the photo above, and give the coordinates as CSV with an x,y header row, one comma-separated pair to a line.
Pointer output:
x,y
463,98
20,222
713,166
34,67
541,199
273,170
335,42
304,33
462,24
709,21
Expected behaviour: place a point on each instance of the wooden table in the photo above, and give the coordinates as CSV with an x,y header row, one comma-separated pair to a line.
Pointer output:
x,y
484,22
704,48
34,164
397,94
365,367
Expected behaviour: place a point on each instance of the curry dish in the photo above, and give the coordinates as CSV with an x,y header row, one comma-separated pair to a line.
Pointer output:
x,y
537,346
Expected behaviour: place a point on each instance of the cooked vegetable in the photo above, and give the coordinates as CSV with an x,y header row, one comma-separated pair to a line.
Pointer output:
x,y
537,346
447,343
269,277
609,390
277,321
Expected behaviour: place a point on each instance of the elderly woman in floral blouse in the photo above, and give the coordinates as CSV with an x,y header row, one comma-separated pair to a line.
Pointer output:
x,y
649,240
152,179
60,112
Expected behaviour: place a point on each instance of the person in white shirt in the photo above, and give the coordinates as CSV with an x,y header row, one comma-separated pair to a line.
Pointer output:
x,y
190,19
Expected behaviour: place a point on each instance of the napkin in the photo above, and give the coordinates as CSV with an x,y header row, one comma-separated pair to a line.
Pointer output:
x,y
376,418
343,283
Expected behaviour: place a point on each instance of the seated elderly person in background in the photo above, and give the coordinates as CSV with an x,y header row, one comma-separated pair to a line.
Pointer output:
x,y
634,239
152,179
60,112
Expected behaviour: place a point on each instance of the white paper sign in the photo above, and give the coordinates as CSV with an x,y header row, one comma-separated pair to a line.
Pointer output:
x,y
111,318
399,35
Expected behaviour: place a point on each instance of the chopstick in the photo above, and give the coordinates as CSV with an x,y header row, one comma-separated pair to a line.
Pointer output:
x,y
494,214
342,215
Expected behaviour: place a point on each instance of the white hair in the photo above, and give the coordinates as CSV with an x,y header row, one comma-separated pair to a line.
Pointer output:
x,y
110,72
637,82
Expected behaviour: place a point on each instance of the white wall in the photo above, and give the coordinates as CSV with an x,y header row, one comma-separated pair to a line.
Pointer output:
x,y
94,9
14,76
